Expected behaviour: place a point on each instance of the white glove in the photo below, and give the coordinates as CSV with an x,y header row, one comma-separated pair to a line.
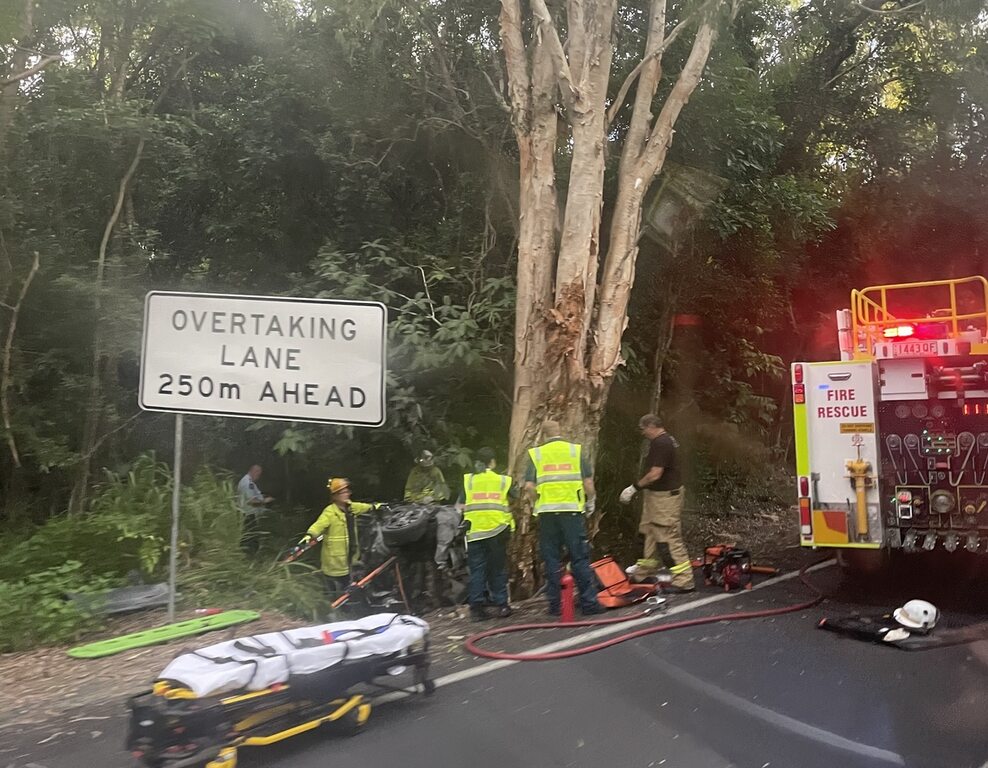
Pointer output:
x,y
590,506
628,494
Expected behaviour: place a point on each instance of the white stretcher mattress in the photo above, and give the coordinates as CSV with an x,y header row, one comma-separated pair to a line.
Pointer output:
x,y
225,667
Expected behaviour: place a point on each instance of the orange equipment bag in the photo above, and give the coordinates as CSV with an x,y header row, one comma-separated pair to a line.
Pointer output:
x,y
618,590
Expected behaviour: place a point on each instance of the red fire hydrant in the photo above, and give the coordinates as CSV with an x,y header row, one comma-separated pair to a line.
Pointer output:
x,y
566,584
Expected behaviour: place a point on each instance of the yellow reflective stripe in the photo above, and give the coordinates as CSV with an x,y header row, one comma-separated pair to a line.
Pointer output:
x,y
800,419
486,505
488,534
553,478
681,568
564,507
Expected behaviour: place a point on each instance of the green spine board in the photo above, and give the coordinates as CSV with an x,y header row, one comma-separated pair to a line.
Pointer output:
x,y
162,634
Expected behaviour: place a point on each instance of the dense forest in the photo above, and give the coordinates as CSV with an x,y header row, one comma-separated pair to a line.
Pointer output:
x,y
367,149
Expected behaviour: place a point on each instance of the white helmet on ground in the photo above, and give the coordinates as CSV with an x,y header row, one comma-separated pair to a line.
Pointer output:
x,y
917,614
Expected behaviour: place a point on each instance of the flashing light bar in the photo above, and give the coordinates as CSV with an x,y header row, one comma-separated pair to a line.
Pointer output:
x,y
900,331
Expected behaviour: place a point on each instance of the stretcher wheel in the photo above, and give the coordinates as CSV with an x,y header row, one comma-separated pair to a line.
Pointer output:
x,y
353,721
422,678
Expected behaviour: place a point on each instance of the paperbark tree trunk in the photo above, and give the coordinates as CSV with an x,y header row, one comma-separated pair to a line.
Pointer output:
x,y
570,319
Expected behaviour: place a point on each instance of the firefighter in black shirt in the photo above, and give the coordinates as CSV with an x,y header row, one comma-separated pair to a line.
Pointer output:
x,y
661,523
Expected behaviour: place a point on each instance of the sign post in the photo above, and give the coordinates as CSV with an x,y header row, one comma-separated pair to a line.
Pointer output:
x,y
176,494
260,357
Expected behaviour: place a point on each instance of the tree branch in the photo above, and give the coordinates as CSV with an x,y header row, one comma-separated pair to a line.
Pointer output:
x,y
686,83
498,96
44,62
568,89
7,355
519,81
656,54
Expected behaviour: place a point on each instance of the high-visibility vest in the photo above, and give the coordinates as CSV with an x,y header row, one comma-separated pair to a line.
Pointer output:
x,y
558,479
486,506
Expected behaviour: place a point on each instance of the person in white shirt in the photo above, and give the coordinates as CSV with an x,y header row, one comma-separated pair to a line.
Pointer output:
x,y
252,503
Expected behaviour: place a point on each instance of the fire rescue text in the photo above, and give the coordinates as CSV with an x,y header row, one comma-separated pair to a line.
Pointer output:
x,y
842,411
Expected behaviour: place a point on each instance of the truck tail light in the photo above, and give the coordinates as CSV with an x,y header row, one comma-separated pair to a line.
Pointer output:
x,y
799,393
797,373
804,486
805,520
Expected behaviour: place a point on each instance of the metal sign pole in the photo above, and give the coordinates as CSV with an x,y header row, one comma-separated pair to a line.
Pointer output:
x,y
176,493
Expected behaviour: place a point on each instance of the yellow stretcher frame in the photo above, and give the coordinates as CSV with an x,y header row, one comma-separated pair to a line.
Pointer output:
x,y
227,758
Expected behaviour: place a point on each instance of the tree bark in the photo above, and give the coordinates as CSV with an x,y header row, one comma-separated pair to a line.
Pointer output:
x,y
570,319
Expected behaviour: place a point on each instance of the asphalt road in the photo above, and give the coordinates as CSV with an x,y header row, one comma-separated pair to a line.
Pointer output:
x,y
759,693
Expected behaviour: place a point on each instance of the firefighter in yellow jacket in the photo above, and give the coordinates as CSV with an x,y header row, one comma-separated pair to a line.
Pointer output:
x,y
484,500
338,526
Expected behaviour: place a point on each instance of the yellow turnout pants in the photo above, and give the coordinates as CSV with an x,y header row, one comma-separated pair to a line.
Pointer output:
x,y
661,525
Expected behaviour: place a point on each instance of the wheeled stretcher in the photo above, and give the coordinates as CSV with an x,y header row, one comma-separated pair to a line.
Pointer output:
x,y
261,689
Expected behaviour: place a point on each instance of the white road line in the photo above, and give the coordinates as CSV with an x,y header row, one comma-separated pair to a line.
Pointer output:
x,y
780,721
783,722
611,629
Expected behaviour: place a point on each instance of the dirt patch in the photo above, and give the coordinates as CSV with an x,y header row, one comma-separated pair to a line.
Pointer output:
x,y
771,537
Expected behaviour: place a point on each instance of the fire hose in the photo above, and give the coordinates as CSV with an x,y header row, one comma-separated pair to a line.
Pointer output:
x,y
472,642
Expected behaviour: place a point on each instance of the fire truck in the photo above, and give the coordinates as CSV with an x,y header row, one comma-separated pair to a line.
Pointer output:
x,y
892,439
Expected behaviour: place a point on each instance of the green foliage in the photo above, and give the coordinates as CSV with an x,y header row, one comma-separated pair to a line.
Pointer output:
x,y
360,151
125,530
34,609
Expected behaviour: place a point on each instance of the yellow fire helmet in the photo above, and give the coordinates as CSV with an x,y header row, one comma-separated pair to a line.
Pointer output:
x,y
337,484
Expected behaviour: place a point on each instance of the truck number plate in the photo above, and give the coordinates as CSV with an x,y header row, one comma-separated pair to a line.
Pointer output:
x,y
914,348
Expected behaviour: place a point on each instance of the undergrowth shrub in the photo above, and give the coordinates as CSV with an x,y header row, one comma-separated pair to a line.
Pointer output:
x,y
34,610
729,471
127,532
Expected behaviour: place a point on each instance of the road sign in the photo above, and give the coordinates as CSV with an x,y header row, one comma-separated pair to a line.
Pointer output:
x,y
267,357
